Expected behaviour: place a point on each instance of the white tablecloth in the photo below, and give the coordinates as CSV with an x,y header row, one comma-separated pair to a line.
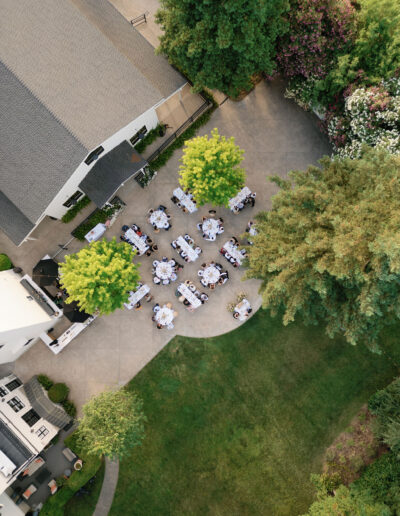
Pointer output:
x,y
188,294
210,227
234,251
164,270
139,242
188,249
136,296
211,274
240,197
185,200
95,233
242,309
159,218
164,315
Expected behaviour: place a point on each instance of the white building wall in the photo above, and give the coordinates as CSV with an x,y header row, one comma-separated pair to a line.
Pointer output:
x,y
56,208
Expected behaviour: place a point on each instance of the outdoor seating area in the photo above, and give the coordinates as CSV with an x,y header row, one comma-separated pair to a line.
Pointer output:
x,y
231,252
244,198
184,200
210,228
212,274
159,219
164,316
165,271
142,291
133,235
251,230
188,294
186,248
242,310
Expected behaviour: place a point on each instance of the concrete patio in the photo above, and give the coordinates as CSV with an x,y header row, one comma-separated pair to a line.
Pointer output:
x,y
277,136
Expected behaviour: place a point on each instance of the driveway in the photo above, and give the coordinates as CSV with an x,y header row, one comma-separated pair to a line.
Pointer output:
x,y
277,136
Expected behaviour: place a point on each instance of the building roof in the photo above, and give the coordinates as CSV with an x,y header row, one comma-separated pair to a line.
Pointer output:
x,y
110,171
12,447
74,72
43,406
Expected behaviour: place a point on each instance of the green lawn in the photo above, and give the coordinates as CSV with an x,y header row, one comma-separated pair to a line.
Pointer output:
x,y
238,422
84,505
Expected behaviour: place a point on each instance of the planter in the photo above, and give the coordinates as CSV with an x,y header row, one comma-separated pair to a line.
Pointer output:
x,y
78,465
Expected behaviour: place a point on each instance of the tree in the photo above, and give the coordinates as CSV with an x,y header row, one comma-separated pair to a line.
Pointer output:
x,y
211,169
345,502
112,424
329,250
221,44
100,276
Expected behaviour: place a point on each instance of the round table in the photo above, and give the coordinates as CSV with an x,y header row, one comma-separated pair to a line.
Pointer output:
x,y
164,270
164,315
210,227
159,219
211,274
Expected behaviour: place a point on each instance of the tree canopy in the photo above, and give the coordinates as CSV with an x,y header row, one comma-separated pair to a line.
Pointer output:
x,y
100,276
221,44
329,249
211,168
112,424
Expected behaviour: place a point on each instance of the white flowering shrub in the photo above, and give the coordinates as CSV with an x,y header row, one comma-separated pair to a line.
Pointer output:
x,y
372,117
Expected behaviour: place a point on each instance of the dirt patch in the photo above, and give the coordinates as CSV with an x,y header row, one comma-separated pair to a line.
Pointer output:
x,y
353,449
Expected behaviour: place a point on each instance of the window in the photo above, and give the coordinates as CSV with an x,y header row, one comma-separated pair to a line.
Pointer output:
x,y
71,201
42,432
94,155
14,384
31,417
136,137
3,392
16,404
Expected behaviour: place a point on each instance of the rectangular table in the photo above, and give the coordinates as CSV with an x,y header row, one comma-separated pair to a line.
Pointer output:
x,y
188,294
185,200
138,241
188,249
242,309
95,233
137,296
234,252
240,197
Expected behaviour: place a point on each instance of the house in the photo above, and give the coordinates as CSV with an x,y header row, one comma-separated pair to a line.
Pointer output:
x,y
79,86
28,422
25,313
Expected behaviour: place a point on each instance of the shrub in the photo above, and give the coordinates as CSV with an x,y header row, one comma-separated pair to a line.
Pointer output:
x,y
99,216
45,381
69,407
58,392
150,137
5,262
72,212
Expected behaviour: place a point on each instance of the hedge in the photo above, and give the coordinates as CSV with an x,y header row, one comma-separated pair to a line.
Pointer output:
x,y
54,506
73,212
45,381
186,135
99,216
5,262
58,392
150,137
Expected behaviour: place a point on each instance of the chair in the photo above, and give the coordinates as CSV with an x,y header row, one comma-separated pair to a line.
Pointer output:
x,y
155,263
179,205
156,280
199,226
150,212
200,273
164,259
187,282
174,277
168,216
165,281
162,208
125,228
198,250
53,486
192,287
220,230
204,282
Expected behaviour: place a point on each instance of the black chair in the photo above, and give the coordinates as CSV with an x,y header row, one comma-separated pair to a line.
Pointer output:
x,y
125,228
162,208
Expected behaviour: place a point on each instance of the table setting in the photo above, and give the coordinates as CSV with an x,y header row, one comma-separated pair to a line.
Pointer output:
x,y
164,315
185,200
136,296
137,241
211,274
159,219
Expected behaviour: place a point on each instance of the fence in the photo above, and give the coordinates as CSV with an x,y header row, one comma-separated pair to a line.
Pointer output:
x,y
207,105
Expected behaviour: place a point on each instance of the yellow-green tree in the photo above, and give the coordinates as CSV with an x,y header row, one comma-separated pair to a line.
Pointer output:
x,y
211,168
100,276
112,424
329,249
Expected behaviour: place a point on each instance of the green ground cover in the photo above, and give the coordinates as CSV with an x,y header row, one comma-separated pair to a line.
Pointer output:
x,y
84,505
237,423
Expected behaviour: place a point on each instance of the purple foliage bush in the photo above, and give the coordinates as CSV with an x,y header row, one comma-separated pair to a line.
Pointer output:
x,y
319,30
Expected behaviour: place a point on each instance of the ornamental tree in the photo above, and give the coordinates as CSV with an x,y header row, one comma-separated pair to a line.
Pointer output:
x,y
329,250
221,44
100,276
211,169
112,424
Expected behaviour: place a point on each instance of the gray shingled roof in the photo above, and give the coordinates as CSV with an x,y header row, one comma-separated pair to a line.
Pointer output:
x,y
110,171
43,406
72,73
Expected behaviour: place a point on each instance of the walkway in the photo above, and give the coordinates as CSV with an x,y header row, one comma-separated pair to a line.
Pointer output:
x,y
106,497
277,136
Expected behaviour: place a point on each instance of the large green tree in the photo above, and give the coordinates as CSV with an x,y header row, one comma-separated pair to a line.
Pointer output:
x,y
220,44
211,168
100,276
112,424
329,249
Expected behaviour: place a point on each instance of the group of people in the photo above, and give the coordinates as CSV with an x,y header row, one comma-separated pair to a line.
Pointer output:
x,y
152,247
179,204
202,296
223,276
249,200
159,218
171,267
167,316
210,227
183,253
234,246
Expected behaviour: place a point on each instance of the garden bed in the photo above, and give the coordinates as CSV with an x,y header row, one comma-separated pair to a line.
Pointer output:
x,y
109,212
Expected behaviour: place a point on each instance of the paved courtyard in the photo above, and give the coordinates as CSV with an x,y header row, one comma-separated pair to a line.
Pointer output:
x,y
277,136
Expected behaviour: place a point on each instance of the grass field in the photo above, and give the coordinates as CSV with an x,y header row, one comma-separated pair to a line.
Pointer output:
x,y
84,505
237,423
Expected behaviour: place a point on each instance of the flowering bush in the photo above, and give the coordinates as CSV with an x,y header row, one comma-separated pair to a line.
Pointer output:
x,y
319,30
371,116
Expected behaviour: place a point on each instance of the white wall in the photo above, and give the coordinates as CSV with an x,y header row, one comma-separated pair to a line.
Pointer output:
x,y
56,208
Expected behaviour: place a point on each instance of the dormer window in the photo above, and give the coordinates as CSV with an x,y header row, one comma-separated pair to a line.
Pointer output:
x,y
94,155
